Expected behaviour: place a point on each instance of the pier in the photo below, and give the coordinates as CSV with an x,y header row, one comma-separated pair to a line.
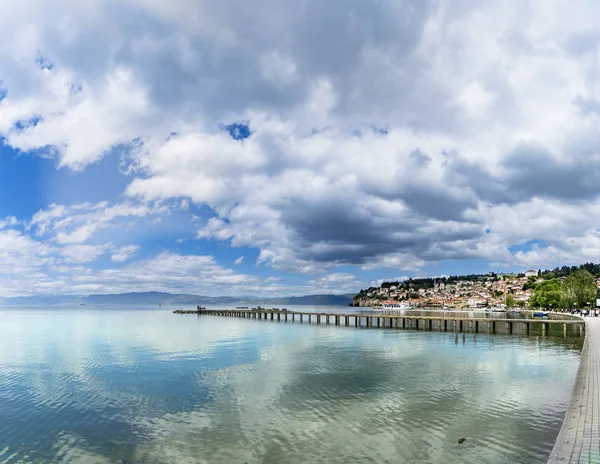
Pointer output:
x,y
579,438
442,323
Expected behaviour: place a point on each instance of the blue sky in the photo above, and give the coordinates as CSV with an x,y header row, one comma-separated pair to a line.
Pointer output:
x,y
292,149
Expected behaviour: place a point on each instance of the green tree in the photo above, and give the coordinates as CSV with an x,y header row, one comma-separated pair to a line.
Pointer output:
x,y
546,294
510,300
578,289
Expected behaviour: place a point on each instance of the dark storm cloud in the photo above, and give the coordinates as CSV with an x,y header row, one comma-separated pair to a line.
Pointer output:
x,y
354,235
530,171
471,175
533,171
434,202
217,72
419,158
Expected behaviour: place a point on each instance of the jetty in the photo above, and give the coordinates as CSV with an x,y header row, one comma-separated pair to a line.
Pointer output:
x,y
579,438
443,323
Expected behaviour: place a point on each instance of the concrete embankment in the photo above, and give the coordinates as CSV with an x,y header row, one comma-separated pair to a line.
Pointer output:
x,y
579,438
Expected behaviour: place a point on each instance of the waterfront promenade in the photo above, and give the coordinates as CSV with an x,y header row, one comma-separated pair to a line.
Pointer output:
x,y
579,437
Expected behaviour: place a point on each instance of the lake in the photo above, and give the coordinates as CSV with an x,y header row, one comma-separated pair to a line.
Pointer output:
x,y
138,385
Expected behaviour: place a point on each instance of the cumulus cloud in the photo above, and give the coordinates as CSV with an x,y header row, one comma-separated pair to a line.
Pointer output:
x,y
82,253
170,272
337,282
9,221
122,254
239,260
67,269
79,222
380,134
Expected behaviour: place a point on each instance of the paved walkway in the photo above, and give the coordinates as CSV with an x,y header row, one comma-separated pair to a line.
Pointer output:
x,y
579,438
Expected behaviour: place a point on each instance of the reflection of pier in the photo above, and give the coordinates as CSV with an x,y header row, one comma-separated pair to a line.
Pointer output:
x,y
579,437
445,323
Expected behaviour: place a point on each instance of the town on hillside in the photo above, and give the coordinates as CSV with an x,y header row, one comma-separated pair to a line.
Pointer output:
x,y
479,290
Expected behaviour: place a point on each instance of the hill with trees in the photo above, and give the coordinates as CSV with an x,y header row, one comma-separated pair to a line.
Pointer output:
x,y
561,287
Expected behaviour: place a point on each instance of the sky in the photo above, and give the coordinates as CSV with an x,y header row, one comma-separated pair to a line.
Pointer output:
x,y
293,147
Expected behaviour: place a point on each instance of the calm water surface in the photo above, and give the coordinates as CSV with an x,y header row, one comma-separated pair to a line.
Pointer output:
x,y
110,385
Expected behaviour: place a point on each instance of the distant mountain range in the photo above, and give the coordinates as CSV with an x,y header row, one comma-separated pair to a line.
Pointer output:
x,y
156,298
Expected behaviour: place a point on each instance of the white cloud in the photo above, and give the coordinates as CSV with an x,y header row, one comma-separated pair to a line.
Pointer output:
x,y
169,272
82,253
391,136
68,269
124,253
7,222
239,260
337,282
378,282
80,222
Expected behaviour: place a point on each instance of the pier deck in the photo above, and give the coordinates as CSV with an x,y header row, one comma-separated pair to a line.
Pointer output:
x,y
579,437
444,323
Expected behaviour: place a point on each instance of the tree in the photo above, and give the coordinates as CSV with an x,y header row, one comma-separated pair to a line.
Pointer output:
x,y
546,294
510,300
578,289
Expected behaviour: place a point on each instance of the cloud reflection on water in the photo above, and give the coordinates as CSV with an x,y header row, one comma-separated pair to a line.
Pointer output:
x,y
153,387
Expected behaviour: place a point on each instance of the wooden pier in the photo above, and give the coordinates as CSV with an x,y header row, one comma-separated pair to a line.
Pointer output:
x,y
442,323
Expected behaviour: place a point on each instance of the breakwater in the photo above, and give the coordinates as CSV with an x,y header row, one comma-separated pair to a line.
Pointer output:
x,y
565,327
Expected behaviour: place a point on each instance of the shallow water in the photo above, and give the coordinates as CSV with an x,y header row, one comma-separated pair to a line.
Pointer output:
x,y
99,385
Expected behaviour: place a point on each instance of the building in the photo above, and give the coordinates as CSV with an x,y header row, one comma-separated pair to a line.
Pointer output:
x,y
531,273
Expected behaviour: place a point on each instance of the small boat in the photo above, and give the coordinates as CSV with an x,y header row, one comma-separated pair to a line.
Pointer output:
x,y
395,305
540,314
498,310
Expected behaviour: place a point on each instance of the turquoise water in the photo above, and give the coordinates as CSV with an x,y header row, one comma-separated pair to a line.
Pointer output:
x,y
110,385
